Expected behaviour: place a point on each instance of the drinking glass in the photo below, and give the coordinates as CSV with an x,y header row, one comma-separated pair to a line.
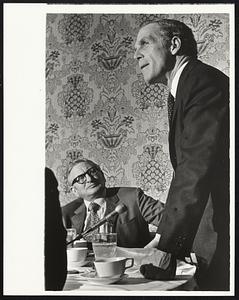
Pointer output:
x,y
104,245
71,234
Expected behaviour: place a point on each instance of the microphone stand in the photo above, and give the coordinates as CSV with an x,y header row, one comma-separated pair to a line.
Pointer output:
x,y
78,236
86,232
118,210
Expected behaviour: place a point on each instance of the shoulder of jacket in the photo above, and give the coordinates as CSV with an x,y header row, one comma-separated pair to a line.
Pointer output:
x,y
123,192
73,205
197,68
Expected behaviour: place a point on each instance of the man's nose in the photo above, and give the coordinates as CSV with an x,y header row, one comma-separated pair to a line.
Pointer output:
x,y
88,177
137,54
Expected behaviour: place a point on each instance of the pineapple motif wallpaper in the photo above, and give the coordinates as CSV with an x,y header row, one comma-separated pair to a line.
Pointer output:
x,y
97,104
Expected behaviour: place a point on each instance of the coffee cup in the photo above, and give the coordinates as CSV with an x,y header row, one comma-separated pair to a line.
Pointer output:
x,y
76,257
112,267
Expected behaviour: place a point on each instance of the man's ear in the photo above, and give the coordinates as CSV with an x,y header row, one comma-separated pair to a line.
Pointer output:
x,y
74,191
103,175
175,45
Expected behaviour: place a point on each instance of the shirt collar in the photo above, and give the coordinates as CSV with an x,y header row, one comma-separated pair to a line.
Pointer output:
x,y
100,201
176,80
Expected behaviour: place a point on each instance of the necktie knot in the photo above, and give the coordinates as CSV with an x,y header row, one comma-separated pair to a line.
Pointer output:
x,y
93,207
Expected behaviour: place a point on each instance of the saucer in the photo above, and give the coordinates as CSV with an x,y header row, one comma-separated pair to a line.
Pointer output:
x,y
93,278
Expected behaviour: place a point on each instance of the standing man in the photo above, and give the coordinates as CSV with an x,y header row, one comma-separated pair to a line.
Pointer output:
x,y
198,145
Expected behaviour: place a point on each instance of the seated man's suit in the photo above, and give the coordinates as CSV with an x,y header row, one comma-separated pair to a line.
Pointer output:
x,y
131,225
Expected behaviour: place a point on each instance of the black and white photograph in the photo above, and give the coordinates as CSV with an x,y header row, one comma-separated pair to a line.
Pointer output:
x,y
119,125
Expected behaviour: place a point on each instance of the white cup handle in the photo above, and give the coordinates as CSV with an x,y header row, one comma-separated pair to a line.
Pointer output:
x,y
132,262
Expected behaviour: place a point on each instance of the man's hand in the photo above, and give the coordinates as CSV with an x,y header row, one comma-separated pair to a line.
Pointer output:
x,y
149,271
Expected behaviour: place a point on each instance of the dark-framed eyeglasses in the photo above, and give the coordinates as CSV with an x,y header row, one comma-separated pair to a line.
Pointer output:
x,y
93,172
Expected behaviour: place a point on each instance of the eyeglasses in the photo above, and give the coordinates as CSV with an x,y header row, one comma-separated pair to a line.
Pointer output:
x,y
82,177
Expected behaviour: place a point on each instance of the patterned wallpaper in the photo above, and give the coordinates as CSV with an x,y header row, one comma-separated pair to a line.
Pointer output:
x,y
97,104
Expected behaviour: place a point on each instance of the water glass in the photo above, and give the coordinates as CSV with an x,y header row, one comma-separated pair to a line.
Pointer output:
x,y
71,234
104,245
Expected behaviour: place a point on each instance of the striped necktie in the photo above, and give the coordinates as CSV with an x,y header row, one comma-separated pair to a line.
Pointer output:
x,y
93,219
170,108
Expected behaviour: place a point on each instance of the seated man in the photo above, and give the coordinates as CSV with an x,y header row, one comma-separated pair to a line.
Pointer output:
x,y
88,184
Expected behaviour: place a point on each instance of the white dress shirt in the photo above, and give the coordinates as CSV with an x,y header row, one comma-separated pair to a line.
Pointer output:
x,y
176,78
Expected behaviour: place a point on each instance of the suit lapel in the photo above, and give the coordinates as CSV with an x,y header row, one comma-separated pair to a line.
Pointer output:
x,y
184,74
110,205
111,202
78,218
112,198
178,102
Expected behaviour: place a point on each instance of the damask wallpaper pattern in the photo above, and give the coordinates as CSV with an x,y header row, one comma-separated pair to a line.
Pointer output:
x,y
97,104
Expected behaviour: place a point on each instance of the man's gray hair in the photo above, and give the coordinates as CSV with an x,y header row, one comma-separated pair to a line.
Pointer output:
x,y
170,28
80,160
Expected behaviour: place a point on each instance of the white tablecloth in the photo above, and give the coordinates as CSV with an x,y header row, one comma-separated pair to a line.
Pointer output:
x,y
135,281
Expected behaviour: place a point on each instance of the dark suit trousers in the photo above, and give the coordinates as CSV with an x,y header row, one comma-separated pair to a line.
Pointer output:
x,y
216,276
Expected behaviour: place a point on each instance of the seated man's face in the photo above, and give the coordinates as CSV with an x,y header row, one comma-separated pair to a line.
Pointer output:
x,y
87,180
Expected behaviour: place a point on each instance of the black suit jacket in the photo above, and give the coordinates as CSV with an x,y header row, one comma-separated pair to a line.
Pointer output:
x,y
131,225
198,144
55,236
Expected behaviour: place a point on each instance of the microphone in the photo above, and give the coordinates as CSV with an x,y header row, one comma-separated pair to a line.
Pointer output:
x,y
118,210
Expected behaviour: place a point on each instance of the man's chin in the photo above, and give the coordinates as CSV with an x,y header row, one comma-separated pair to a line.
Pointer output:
x,y
95,190
156,80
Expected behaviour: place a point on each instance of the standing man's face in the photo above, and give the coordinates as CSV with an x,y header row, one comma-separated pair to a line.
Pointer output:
x,y
153,57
